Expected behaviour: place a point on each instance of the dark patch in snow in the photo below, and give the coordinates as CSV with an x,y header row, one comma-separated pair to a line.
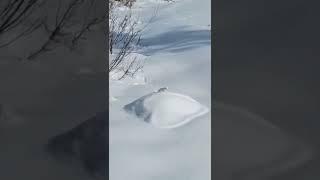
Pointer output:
x,y
137,108
86,142
176,41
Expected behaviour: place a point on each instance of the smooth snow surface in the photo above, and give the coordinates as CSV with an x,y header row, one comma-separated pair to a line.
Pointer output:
x,y
165,109
176,45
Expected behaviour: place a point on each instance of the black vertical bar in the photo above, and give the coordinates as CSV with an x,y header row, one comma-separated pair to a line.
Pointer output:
x,y
266,90
107,67
53,97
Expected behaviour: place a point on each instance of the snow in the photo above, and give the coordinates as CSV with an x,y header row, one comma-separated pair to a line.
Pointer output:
x,y
48,98
165,109
64,89
176,50
176,45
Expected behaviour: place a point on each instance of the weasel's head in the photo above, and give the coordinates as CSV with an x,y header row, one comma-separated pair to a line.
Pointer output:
x,y
163,89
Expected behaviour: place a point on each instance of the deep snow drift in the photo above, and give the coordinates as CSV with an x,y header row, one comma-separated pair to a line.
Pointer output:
x,y
165,109
176,48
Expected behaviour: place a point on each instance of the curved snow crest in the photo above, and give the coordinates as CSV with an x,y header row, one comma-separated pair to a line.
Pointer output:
x,y
164,109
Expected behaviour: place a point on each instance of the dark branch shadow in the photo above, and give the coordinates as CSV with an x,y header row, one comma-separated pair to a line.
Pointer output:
x,y
176,41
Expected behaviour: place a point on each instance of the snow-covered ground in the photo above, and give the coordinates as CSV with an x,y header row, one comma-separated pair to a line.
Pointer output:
x,y
47,98
176,45
164,109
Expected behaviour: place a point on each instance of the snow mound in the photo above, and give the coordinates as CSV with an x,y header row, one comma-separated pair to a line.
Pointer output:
x,y
164,109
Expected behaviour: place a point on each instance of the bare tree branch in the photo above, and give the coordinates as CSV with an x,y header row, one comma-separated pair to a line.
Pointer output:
x,y
124,39
67,28
13,13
